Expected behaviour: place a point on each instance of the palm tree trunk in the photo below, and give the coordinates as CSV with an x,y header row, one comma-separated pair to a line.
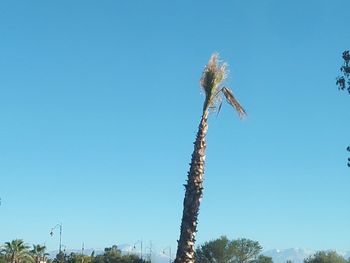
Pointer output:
x,y
193,196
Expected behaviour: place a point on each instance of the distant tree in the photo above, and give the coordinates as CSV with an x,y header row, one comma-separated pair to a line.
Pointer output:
x,y
39,253
325,257
264,259
2,259
219,250
132,259
343,81
222,250
246,250
78,258
61,257
17,251
289,261
113,255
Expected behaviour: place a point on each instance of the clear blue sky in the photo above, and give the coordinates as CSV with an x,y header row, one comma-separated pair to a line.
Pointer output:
x,y
100,103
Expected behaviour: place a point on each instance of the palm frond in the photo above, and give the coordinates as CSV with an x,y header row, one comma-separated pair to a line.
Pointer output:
x,y
214,73
219,108
233,102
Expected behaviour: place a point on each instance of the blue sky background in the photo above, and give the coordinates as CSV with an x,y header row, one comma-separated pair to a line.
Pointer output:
x,y
100,103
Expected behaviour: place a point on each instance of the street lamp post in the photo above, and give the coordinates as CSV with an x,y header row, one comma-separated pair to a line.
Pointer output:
x,y
169,249
139,241
51,233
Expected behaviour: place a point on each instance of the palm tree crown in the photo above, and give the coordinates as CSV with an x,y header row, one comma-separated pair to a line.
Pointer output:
x,y
17,251
213,75
39,253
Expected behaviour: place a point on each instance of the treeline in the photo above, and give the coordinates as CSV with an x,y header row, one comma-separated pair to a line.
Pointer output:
x,y
220,250
223,250
17,251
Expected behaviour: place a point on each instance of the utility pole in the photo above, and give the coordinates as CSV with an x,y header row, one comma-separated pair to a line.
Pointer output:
x,y
139,241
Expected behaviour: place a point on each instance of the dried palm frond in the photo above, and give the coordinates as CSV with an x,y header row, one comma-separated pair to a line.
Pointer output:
x,y
233,102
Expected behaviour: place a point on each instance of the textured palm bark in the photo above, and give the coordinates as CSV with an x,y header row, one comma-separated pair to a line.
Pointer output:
x,y
193,196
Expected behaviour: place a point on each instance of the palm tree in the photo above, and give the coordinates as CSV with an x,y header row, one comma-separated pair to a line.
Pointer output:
x,y
17,251
39,253
212,77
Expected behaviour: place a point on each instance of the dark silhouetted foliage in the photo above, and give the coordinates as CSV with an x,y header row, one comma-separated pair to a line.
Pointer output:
x,y
61,257
343,81
264,259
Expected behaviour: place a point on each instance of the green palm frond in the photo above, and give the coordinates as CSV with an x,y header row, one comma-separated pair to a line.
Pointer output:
x,y
214,73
